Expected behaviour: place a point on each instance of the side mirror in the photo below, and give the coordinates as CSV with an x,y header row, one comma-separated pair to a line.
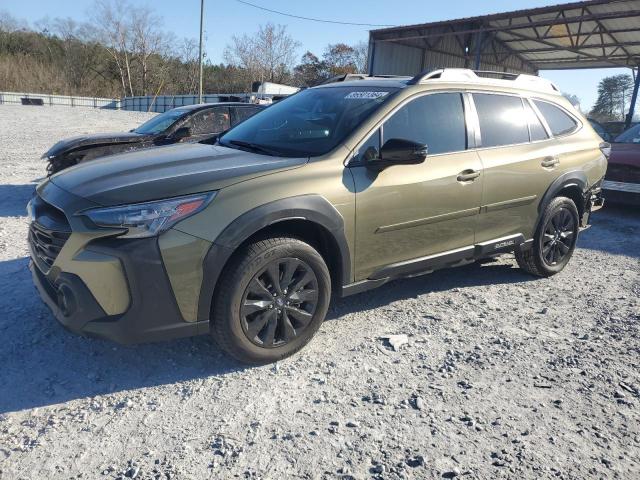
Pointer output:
x,y
182,132
398,151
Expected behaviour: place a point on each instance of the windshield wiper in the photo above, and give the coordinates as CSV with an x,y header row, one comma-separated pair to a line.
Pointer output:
x,y
254,147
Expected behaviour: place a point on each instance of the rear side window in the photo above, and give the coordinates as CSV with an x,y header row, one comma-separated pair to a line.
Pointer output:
x,y
239,114
558,120
436,120
210,120
502,119
536,130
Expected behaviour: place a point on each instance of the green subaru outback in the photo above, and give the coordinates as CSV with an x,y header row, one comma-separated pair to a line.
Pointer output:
x,y
335,190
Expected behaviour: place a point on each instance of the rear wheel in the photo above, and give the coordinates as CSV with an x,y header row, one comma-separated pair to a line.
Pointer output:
x,y
272,299
554,241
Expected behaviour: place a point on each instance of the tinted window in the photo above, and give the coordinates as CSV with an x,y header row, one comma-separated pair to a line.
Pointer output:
x,y
502,119
536,130
239,114
630,136
435,120
160,123
309,123
370,149
211,120
559,122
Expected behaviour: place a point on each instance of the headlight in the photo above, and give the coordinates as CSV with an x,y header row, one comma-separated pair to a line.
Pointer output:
x,y
150,218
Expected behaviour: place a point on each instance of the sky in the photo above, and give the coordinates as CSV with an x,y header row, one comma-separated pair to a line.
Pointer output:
x,y
225,18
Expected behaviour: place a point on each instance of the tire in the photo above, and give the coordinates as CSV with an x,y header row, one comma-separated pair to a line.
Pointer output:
x,y
554,241
248,303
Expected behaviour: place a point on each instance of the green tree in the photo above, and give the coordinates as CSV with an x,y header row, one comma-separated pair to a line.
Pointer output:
x,y
614,96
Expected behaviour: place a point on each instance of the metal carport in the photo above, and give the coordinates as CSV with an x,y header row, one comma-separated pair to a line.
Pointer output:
x,y
588,34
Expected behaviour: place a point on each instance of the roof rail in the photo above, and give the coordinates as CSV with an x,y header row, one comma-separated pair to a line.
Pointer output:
x,y
356,76
530,82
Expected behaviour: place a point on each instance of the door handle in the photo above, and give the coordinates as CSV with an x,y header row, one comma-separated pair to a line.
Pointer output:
x,y
550,162
468,175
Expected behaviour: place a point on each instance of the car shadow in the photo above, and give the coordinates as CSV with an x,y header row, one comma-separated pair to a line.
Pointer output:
x,y
486,272
43,364
14,199
615,229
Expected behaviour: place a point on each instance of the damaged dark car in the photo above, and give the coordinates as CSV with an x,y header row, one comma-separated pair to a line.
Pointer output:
x,y
190,123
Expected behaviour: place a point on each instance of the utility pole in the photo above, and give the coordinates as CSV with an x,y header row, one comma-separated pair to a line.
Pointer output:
x,y
200,50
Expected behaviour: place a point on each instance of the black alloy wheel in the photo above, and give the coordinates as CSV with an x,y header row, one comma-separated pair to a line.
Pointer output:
x,y
558,237
554,241
279,302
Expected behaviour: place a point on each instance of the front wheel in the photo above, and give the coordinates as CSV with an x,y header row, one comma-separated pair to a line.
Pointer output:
x,y
554,241
272,299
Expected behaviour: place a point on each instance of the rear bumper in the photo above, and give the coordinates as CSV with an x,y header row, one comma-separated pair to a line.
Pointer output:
x,y
152,315
593,201
622,192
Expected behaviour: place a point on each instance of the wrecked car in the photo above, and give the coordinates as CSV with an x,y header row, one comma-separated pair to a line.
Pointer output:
x,y
190,123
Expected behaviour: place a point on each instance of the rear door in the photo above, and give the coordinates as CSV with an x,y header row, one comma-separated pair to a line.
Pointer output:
x,y
406,212
518,157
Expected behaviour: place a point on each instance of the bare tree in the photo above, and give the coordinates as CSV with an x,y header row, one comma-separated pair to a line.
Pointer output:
x,y
114,32
268,55
360,56
148,39
8,23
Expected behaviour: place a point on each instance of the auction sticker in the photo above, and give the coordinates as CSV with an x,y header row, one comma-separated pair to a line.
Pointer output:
x,y
366,95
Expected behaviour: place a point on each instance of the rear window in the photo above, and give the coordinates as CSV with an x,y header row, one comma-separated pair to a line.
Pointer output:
x,y
502,119
558,120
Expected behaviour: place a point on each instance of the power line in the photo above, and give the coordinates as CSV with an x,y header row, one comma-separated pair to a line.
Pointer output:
x,y
313,19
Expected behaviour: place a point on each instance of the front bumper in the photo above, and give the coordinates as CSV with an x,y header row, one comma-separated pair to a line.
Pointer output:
x,y
152,315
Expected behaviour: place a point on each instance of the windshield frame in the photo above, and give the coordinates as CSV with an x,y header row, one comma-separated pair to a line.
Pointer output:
x,y
392,91
183,114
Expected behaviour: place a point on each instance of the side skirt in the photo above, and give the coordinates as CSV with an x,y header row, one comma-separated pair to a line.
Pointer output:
x,y
428,264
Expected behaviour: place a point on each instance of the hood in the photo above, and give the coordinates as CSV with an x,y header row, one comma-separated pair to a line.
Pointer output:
x,y
625,154
164,172
72,143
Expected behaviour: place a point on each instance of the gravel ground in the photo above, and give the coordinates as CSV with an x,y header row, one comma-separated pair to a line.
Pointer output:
x,y
503,376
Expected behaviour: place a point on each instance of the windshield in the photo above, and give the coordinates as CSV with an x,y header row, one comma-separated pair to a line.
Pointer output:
x,y
630,136
307,124
160,122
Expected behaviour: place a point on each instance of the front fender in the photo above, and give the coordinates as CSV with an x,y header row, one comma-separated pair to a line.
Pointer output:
x,y
313,208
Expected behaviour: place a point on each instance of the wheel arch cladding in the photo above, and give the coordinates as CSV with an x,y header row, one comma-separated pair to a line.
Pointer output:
x,y
572,185
308,217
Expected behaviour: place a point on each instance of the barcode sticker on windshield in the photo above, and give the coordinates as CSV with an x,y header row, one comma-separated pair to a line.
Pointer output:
x,y
366,95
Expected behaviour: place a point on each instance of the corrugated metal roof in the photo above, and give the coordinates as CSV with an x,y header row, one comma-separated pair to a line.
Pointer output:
x,y
586,34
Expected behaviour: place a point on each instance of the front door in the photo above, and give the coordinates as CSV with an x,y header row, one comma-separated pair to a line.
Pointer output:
x,y
408,212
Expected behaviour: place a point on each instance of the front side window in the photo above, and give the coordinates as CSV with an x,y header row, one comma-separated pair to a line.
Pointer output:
x,y
239,114
435,120
210,120
369,150
560,122
310,123
502,119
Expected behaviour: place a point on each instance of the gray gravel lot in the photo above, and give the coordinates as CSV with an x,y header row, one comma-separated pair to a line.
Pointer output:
x,y
503,376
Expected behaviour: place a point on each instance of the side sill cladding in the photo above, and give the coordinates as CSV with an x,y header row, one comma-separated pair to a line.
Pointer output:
x,y
313,208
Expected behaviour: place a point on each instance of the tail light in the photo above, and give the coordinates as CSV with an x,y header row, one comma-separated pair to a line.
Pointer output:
x,y
605,148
